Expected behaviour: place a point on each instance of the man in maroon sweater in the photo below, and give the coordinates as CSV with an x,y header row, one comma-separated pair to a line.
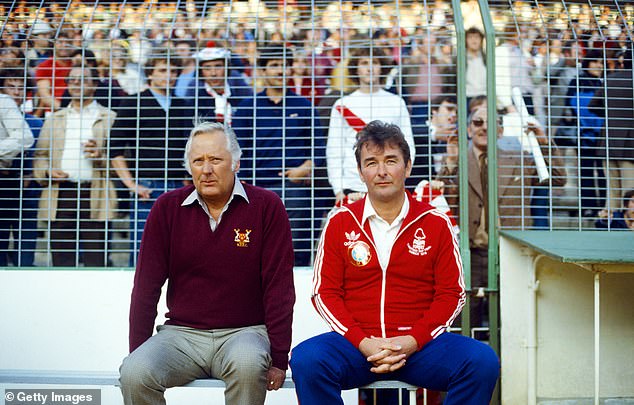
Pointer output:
x,y
226,249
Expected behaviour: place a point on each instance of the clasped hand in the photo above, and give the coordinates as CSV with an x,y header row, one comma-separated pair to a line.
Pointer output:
x,y
388,354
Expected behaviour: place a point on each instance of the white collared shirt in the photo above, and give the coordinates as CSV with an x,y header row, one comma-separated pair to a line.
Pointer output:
x,y
384,234
238,190
79,126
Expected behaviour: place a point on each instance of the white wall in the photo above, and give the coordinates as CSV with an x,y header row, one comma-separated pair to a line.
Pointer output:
x,y
78,320
565,342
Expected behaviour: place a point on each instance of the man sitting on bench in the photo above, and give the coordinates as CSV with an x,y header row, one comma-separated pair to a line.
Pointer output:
x,y
388,280
226,249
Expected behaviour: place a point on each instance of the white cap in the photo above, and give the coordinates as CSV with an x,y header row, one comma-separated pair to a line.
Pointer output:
x,y
207,54
40,27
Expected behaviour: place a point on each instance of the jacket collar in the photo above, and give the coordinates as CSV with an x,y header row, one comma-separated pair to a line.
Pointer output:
x,y
416,209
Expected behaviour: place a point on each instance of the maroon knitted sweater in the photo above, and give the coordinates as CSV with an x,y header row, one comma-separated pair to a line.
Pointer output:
x,y
219,279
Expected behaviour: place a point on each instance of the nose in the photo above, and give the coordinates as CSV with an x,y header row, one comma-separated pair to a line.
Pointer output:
x,y
381,169
208,168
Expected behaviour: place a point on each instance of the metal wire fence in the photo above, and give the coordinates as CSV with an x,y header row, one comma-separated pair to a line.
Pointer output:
x,y
97,100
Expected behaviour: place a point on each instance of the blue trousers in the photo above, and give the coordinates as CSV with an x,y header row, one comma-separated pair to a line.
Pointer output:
x,y
326,364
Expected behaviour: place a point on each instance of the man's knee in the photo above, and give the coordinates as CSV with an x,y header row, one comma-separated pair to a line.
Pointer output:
x,y
306,359
136,373
484,363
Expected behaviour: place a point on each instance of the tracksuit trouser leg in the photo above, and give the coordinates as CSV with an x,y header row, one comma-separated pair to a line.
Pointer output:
x,y
326,364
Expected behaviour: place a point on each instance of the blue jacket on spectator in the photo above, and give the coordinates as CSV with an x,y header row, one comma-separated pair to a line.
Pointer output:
x,y
278,136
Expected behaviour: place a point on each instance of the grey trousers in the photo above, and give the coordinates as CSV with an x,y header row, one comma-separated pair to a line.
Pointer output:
x,y
177,355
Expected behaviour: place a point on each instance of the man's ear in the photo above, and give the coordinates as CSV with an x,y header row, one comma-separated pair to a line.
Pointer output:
x,y
235,169
408,168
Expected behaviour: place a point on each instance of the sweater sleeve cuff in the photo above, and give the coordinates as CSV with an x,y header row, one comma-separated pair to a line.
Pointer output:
x,y
279,360
355,335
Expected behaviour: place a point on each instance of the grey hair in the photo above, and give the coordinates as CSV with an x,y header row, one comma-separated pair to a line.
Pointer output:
x,y
208,127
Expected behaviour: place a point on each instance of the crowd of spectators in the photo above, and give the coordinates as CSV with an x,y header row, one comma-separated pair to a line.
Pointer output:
x,y
116,87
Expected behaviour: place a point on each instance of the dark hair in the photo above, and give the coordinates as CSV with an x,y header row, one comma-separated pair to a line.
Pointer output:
x,y
627,197
377,54
380,134
275,51
593,55
9,73
437,101
189,42
162,55
474,30
89,62
476,102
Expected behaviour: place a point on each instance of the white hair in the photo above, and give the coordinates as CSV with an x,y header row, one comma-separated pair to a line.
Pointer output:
x,y
208,127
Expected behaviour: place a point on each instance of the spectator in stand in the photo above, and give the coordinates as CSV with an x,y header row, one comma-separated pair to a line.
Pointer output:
x,y
513,68
441,126
51,74
616,147
423,80
72,165
303,79
128,75
562,73
581,90
476,75
108,92
219,89
283,143
15,138
619,219
41,44
368,67
516,174
185,50
150,130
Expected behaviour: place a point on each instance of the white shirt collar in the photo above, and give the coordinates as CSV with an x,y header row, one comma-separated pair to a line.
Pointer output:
x,y
238,190
369,211
92,107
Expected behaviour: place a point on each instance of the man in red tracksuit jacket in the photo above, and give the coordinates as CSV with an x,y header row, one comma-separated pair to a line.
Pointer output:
x,y
388,281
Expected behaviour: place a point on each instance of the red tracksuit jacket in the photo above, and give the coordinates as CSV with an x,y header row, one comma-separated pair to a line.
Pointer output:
x,y
420,292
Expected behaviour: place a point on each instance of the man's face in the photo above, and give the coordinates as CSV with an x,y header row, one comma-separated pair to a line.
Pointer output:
x,y
595,68
183,51
80,84
64,47
300,66
369,71
213,73
274,72
163,77
478,128
41,41
15,89
210,163
444,119
384,171
474,42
